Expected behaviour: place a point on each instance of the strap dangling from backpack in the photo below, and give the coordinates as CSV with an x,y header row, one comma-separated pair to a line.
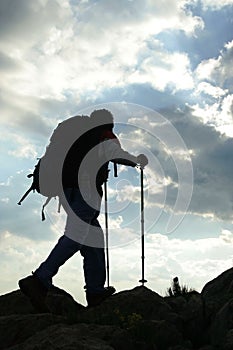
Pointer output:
x,y
44,205
115,169
59,205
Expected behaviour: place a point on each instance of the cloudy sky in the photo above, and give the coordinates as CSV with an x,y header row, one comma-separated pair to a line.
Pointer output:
x,y
165,70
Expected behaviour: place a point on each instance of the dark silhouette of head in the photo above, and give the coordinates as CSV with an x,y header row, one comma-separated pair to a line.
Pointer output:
x,y
102,119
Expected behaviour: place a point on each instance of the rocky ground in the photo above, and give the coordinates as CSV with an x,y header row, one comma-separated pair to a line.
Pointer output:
x,y
134,319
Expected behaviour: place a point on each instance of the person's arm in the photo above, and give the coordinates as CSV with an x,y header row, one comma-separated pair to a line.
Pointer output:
x,y
115,153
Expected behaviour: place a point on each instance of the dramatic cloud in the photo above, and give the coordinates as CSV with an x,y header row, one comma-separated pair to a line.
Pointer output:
x,y
49,34
218,70
215,4
173,68
215,91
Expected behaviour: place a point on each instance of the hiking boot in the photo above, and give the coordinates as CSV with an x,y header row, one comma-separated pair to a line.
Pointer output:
x,y
98,298
35,291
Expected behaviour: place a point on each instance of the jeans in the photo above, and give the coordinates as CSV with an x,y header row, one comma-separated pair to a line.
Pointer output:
x,y
82,233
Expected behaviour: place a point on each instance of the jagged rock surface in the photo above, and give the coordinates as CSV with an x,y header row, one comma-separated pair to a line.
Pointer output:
x,y
135,319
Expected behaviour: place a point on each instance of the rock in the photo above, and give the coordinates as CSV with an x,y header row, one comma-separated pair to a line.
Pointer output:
x,y
216,293
160,333
144,313
62,303
190,308
68,337
181,347
228,343
222,323
133,319
139,301
220,285
15,303
15,329
59,302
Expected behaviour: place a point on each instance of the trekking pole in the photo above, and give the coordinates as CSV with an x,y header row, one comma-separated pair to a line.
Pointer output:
x,y
106,229
142,280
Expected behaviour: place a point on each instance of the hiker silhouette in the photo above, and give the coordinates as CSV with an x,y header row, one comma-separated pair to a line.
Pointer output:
x,y
81,164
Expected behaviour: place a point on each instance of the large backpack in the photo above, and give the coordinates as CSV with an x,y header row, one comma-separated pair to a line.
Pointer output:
x,y
47,175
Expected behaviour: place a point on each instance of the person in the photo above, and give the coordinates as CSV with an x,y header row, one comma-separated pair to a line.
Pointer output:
x,y
83,176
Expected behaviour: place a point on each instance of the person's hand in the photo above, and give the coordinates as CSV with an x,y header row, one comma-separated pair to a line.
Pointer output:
x,y
142,160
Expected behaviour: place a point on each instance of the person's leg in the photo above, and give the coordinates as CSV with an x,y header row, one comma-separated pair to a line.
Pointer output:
x,y
94,268
67,245
95,275
36,286
83,227
63,250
